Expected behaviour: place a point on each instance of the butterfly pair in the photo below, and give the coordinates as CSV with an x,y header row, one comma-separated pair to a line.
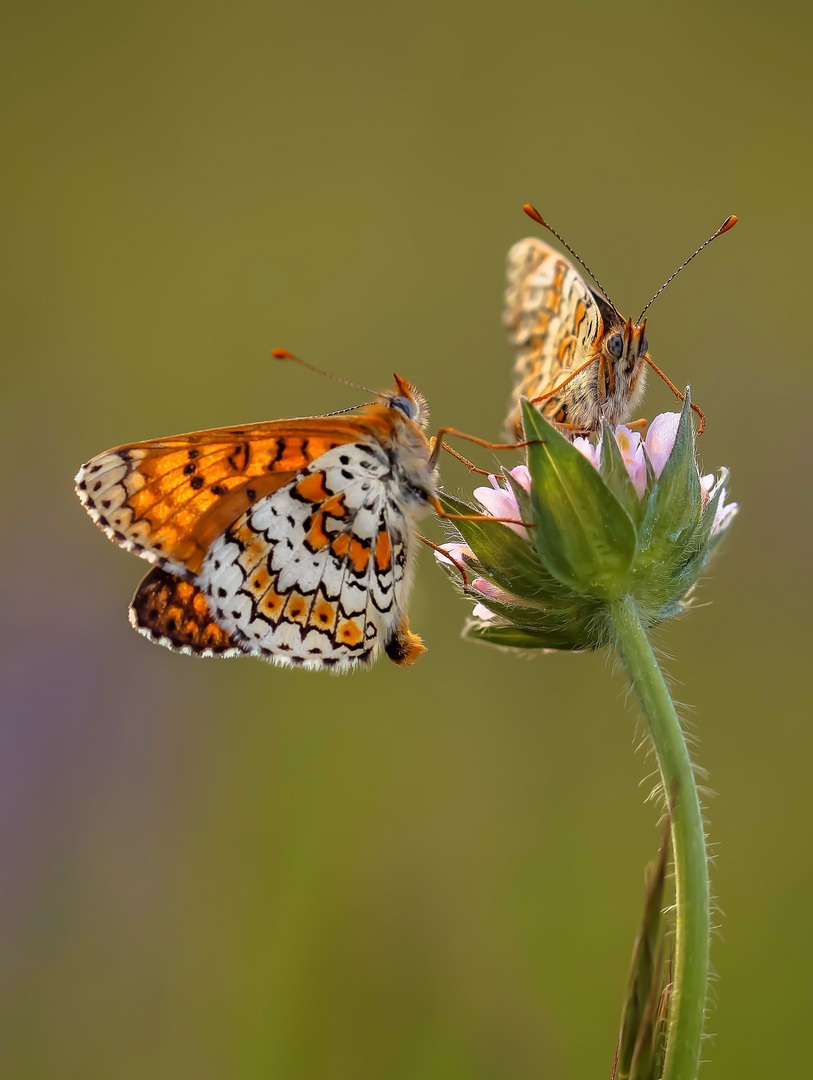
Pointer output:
x,y
293,540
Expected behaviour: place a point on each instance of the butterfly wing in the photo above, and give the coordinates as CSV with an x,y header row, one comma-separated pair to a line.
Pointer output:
x,y
317,573
553,322
175,613
167,499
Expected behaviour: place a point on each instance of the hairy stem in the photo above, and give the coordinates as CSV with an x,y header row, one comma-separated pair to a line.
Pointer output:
x,y
688,1002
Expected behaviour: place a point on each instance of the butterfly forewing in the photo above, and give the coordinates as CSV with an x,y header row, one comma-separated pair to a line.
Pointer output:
x,y
168,499
553,322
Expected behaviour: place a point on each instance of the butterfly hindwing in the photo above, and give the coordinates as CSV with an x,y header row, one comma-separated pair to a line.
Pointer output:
x,y
174,612
316,574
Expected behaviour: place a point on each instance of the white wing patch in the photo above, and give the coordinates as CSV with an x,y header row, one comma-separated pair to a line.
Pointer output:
x,y
317,574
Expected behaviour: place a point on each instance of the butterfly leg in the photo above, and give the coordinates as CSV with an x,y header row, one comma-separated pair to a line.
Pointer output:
x,y
446,555
601,384
675,391
558,387
438,444
435,504
450,450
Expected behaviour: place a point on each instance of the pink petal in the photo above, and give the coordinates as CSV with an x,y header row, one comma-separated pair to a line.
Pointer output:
x,y
488,588
522,476
660,439
585,447
501,504
457,551
480,611
629,443
723,518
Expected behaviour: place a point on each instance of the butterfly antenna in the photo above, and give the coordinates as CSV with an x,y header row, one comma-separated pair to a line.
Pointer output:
x,y
534,214
729,223
283,354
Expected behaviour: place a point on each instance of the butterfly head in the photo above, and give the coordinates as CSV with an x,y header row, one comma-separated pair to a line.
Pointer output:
x,y
626,345
408,401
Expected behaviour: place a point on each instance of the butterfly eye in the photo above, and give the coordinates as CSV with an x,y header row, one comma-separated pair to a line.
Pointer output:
x,y
644,346
615,345
405,406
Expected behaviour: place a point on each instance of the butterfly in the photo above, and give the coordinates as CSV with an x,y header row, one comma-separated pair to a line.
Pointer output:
x,y
290,540
577,358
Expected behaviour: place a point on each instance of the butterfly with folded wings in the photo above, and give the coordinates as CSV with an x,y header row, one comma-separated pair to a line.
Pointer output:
x,y
290,540
576,357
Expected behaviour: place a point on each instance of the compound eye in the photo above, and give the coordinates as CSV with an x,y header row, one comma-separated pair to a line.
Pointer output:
x,y
615,345
644,346
405,406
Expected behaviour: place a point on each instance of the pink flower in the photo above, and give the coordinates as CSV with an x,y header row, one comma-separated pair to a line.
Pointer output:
x,y
492,591
591,452
660,439
723,515
456,551
499,500
480,611
632,451
659,443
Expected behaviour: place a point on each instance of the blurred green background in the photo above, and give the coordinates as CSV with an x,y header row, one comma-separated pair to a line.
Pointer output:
x,y
224,869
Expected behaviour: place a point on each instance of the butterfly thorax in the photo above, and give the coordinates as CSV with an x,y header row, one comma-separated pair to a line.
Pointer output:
x,y
400,420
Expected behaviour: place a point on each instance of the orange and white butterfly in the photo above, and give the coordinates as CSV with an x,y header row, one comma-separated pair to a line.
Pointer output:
x,y
577,358
290,540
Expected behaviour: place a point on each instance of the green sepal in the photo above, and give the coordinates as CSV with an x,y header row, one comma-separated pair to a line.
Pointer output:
x,y
583,534
616,477
512,637
674,507
509,560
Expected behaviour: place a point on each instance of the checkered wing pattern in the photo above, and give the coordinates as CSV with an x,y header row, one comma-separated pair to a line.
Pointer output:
x,y
317,573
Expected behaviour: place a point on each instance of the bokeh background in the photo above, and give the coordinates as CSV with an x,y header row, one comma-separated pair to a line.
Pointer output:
x,y
223,869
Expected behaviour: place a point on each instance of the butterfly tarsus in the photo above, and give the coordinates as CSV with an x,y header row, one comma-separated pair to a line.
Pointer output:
x,y
435,503
677,393
438,443
446,555
465,461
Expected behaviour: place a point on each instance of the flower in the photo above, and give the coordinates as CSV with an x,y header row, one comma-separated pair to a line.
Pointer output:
x,y
499,499
632,451
480,611
660,439
619,517
725,512
456,553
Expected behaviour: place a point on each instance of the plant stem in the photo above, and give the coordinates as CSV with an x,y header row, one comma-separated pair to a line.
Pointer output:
x,y
687,1007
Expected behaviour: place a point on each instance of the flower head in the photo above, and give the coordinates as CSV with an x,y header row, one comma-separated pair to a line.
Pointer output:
x,y
619,516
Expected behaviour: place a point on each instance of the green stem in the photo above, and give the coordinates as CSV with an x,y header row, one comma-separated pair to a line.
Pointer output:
x,y
691,962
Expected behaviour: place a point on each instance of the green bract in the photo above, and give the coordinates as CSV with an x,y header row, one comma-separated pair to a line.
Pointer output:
x,y
591,540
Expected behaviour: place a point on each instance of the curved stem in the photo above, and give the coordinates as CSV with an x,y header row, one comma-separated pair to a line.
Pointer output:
x,y
688,1000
